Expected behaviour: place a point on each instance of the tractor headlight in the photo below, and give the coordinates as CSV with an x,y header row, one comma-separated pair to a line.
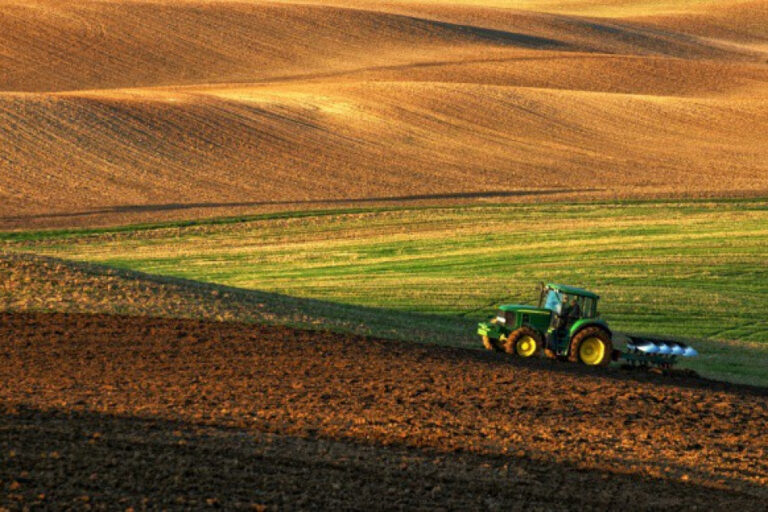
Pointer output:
x,y
501,320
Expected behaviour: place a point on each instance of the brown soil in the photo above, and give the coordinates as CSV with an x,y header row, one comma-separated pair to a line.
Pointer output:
x,y
122,111
100,411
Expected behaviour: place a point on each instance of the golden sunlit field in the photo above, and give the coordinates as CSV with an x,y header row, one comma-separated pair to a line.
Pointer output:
x,y
251,253
123,111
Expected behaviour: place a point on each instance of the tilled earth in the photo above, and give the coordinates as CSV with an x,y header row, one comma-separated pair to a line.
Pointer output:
x,y
106,412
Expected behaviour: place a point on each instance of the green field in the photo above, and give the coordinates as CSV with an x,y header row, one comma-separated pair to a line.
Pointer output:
x,y
694,270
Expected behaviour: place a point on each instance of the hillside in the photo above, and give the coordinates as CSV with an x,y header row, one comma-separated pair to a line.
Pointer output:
x,y
693,270
179,414
122,111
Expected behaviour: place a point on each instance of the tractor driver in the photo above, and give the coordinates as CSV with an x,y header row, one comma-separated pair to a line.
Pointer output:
x,y
570,312
574,311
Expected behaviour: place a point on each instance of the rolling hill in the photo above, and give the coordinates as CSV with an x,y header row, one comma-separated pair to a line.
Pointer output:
x,y
123,111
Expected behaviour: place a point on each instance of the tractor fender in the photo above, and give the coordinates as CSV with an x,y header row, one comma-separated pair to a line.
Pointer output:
x,y
588,322
543,334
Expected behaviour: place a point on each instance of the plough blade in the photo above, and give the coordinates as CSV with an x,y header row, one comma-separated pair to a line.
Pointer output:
x,y
657,352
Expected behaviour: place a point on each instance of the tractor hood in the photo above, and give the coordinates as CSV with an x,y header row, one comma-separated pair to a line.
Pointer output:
x,y
523,308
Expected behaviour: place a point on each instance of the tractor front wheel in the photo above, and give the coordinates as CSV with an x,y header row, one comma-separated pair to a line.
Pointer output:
x,y
592,346
524,342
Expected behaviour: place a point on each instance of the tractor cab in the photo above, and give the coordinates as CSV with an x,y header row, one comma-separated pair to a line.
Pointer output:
x,y
570,306
560,299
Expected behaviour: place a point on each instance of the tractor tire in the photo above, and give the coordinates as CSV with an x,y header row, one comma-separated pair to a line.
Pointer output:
x,y
592,347
491,344
524,342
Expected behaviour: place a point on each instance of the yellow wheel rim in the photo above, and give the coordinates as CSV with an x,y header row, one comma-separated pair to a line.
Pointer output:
x,y
592,351
526,346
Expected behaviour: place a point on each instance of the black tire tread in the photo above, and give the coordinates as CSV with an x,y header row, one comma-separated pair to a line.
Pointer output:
x,y
588,332
511,342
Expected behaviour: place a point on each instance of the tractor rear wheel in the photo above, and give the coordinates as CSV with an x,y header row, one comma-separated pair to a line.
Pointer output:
x,y
591,346
491,344
524,342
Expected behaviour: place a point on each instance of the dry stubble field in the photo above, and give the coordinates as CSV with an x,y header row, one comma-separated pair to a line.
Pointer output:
x,y
124,111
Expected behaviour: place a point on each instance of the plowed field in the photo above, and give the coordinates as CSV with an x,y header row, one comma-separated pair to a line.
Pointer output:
x,y
102,411
125,111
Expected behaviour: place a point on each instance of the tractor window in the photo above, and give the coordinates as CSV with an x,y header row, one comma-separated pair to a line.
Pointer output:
x,y
554,301
581,303
588,309
568,302
505,317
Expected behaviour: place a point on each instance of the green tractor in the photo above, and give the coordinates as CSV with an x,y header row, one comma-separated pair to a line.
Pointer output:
x,y
566,325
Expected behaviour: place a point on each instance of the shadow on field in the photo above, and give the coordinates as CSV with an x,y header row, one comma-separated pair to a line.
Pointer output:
x,y
245,204
502,37
133,294
67,458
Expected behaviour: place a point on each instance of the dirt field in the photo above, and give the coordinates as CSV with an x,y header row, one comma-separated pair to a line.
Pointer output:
x,y
122,111
102,411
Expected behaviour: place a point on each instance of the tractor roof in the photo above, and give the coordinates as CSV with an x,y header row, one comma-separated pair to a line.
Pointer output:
x,y
572,290
523,308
